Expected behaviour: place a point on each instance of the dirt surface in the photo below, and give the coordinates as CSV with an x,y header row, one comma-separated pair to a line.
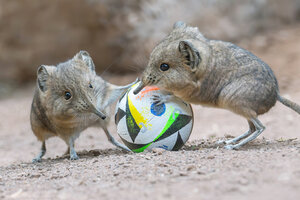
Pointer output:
x,y
267,168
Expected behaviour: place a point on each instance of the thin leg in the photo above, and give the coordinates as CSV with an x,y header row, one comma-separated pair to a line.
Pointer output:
x,y
114,141
73,154
259,128
41,154
236,139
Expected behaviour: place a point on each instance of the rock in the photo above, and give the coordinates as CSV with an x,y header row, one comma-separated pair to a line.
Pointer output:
x,y
116,174
162,165
158,151
34,176
201,172
210,157
191,167
183,174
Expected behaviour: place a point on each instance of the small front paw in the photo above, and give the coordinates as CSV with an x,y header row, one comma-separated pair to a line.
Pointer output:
x,y
126,149
221,142
229,147
232,147
36,160
157,99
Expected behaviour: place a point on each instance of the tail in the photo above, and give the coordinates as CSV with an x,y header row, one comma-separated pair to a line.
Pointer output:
x,y
289,104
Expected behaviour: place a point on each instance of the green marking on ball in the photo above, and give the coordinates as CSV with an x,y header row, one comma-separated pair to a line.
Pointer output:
x,y
170,121
169,131
139,150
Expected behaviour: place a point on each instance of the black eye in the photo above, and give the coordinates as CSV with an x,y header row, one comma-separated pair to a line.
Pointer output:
x,y
90,86
68,95
164,67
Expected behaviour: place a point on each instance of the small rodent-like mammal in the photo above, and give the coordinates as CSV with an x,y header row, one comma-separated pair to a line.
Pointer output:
x,y
69,98
214,73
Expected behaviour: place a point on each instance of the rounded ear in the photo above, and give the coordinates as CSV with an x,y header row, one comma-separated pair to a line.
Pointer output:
x,y
85,57
190,54
179,24
43,74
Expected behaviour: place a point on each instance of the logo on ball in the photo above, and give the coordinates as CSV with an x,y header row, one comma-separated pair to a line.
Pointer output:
x,y
143,124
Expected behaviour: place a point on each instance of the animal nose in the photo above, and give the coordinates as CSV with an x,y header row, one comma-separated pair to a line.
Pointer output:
x,y
139,88
100,114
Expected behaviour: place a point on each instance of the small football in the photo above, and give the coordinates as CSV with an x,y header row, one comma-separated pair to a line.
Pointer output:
x,y
143,124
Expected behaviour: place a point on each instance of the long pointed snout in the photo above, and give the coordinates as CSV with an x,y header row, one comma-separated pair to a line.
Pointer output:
x,y
139,88
91,100
99,113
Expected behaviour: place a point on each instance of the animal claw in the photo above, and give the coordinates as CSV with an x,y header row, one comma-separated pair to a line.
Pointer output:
x,y
231,147
36,160
74,157
157,100
221,142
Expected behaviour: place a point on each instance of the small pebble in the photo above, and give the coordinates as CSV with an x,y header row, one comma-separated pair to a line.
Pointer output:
x,y
158,151
182,174
210,157
191,167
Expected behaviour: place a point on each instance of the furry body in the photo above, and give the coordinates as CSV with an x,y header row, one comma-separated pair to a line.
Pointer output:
x,y
214,73
69,98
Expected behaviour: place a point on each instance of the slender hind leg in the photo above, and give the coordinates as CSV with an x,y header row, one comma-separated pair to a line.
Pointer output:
x,y
73,154
259,128
236,139
114,141
41,154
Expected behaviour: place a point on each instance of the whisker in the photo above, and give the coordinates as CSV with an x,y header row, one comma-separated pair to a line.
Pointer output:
x,y
114,62
134,68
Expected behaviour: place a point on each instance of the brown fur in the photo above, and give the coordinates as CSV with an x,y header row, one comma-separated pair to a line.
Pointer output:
x,y
53,115
212,73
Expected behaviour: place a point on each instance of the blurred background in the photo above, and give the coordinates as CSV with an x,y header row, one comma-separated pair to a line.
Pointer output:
x,y
120,34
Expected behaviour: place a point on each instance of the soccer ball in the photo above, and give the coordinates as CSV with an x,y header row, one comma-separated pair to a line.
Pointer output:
x,y
142,124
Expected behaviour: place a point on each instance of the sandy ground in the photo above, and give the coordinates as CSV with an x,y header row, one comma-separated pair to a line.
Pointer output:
x,y
267,168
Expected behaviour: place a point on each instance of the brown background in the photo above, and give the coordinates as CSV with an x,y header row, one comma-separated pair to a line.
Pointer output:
x,y
119,35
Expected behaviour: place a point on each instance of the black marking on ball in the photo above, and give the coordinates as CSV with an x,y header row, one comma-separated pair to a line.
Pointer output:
x,y
132,127
179,143
180,122
119,115
122,96
133,146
